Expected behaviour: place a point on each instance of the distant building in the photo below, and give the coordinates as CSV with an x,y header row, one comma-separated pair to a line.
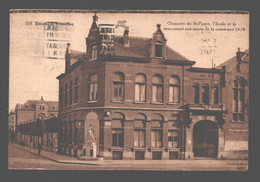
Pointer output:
x,y
136,98
236,98
32,109
37,120
11,120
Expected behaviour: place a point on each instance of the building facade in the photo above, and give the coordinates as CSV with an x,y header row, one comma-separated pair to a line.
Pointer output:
x,y
35,122
43,131
136,98
236,98
32,109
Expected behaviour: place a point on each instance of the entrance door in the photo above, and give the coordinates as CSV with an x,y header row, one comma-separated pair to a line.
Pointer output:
x,y
205,139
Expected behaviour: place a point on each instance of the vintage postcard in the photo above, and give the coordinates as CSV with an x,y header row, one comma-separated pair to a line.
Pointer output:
x,y
129,90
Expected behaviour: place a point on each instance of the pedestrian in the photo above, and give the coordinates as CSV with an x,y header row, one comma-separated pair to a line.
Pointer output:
x,y
39,149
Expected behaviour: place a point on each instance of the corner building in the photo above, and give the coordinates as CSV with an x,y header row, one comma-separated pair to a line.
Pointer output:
x,y
140,99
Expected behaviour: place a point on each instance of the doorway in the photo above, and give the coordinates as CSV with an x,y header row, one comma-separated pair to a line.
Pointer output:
x,y
205,139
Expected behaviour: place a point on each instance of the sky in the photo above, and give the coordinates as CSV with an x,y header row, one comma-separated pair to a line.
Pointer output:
x,y
204,38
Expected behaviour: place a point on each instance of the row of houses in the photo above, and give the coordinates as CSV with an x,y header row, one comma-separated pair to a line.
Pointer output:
x,y
137,99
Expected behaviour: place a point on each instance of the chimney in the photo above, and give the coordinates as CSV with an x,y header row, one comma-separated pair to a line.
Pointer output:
x,y
126,38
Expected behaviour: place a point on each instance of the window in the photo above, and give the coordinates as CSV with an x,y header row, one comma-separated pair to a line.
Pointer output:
x,y
215,94
156,133
196,93
157,89
117,138
66,132
117,130
75,132
61,132
118,83
76,90
158,49
156,137
70,132
173,138
61,97
139,130
70,93
66,95
239,99
139,138
93,86
174,90
205,94
140,88
94,52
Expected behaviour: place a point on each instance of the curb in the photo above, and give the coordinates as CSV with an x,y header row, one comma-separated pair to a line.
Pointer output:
x,y
62,162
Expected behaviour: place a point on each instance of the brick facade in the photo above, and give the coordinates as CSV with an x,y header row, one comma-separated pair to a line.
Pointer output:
x,y
139,100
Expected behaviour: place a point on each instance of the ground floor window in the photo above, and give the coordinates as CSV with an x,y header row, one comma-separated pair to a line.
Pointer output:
x,y
157,155
139,138
173,155
156,137
117,138
139,155
173,138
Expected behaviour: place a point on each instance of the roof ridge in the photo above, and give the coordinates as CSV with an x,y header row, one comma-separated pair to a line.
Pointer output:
x,y
136,37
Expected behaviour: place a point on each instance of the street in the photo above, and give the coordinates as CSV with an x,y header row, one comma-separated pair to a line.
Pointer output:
x,y
22,159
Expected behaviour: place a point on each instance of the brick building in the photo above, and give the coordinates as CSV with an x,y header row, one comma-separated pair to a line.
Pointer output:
x,y
11,120
236,98
32,109
136,98
43,131
37,120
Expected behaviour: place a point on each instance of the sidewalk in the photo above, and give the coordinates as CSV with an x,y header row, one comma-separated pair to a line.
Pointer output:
x,y
72,160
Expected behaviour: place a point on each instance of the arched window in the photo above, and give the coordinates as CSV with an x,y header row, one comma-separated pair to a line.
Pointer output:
x,y
61,96
140,88
66,96
94,52
118,86
157,133
174,89
93,86
70,93
139,130
157,89
239,99
76,92
118,130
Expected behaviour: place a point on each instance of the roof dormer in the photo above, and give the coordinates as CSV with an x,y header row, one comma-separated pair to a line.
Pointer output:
x,y
93,40
158,43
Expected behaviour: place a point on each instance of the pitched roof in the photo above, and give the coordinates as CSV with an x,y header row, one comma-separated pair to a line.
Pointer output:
x,y
78,54
232,60
139,48
30,105
205,70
